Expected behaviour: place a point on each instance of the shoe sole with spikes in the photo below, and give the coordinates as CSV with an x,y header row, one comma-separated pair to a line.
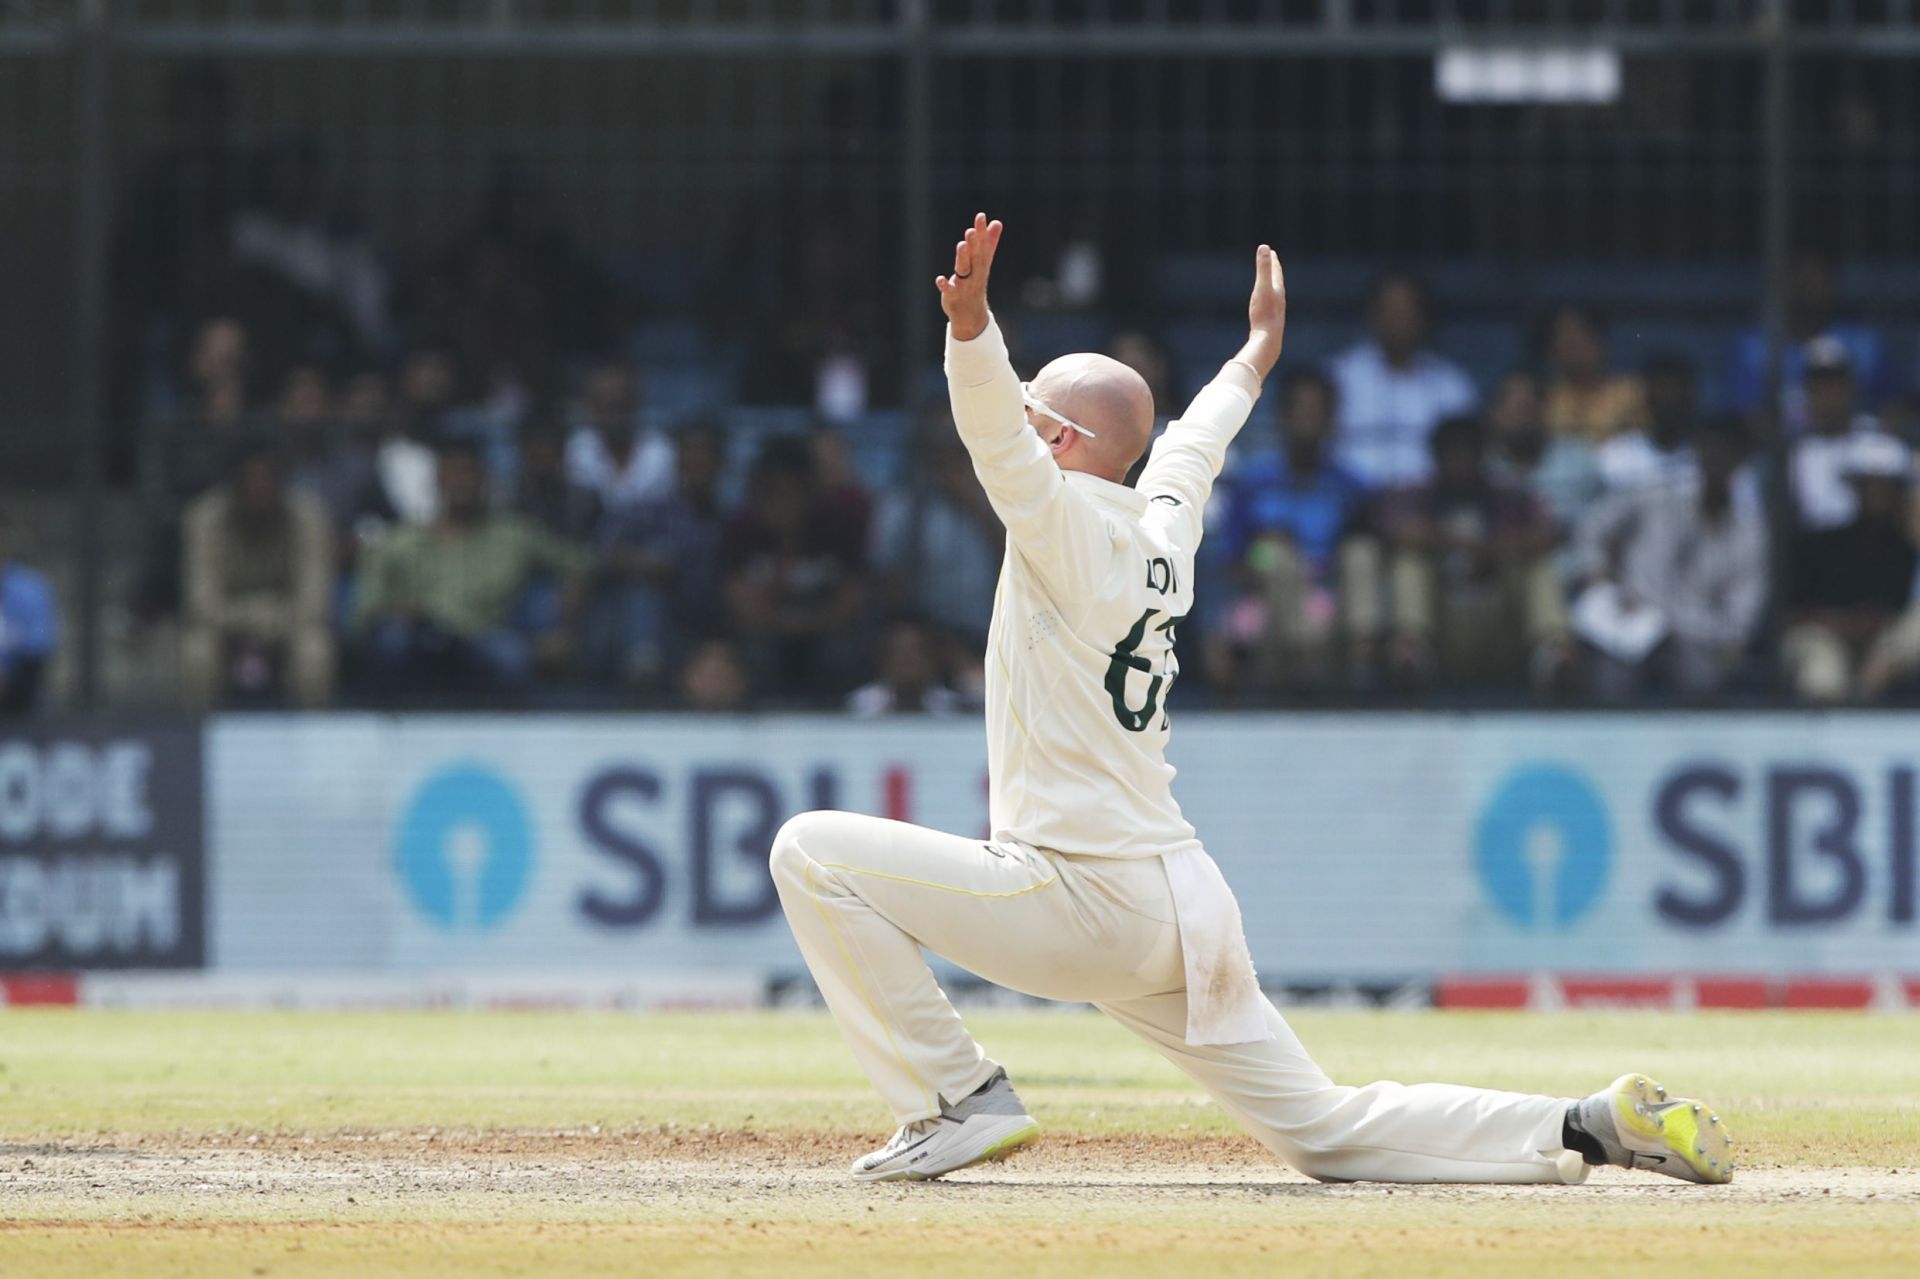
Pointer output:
x,y
1675,1136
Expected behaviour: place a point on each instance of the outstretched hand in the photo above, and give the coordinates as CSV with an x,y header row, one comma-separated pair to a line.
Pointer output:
x,y
963,294
1266,312
1267,308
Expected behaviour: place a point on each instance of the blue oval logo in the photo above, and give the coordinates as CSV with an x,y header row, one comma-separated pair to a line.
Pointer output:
x,y
1544,847
465,849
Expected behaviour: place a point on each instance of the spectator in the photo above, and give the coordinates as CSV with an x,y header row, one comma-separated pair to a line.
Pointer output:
x,y
1852,629
660,568
793,578
1286,525
1813,311
1677,577
545,495
609,452
440,605
1662,450
1393,390
259,580
909,679
1558,469
713,678
185,457
188,455
29,628
404,459
1823,497
1584,400
1474,589
218,371
938,550
841,488
322,457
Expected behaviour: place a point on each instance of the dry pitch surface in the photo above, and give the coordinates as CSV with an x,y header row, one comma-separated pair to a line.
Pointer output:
x,y
535,1144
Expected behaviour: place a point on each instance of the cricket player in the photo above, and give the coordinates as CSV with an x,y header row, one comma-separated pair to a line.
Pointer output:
x,y
1093,887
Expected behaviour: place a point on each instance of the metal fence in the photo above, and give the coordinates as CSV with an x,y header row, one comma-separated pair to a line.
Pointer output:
x,y
715,164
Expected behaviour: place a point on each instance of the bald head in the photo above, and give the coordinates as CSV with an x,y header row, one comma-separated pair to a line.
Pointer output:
x,y
1107,398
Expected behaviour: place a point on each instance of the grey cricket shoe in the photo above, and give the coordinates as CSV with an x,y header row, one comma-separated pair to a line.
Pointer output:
x,y
988,1123
1639,1126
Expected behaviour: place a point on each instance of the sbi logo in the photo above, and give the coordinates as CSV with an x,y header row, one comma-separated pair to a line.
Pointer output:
x,y
1544,847
464,849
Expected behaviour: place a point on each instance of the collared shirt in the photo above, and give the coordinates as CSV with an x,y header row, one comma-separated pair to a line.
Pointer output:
x,y
29,618
1387,413
1709,577
1095,581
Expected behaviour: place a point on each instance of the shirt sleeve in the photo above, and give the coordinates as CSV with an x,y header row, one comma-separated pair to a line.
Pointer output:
x,y
1190,452
1055,529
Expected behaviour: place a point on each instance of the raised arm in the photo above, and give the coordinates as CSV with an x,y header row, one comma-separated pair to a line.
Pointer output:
x,y
1055,528
1189,455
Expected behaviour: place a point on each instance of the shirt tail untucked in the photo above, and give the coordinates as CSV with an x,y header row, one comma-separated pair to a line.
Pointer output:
x,y
1224,1003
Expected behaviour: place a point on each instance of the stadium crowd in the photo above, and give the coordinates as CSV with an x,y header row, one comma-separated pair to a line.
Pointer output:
x,y
490,517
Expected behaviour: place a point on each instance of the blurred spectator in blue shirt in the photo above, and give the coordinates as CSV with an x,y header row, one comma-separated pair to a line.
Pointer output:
x,y
29,627
1393,390
1813,311
1284,531
1300,493
1559,470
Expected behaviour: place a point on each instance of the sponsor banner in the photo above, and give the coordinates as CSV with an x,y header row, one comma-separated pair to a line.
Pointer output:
x,y
100,848
621,843
1367,851
363,991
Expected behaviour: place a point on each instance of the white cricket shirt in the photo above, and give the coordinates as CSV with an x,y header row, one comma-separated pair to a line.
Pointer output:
x,y
1096,580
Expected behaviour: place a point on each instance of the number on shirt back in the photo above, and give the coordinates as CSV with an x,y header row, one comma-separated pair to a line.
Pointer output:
x,y
1126,657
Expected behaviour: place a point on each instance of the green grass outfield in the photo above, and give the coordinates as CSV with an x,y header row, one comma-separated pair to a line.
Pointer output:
x,y
534,1144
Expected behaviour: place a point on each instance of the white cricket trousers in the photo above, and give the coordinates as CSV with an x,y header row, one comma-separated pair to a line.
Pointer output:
x,y
864,894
